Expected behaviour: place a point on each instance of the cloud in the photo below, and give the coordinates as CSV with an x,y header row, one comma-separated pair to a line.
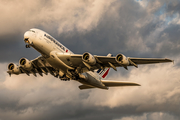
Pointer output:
x,y
29,96
55,16
151,116
64,15
134,28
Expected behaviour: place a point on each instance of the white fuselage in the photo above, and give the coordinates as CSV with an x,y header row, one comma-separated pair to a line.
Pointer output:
x,y
46,44
49,47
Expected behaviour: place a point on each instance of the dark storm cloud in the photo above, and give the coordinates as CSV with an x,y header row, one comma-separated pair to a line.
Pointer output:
x,y
12,48
173,7
170,36
116,32
120,33
134,28
112,32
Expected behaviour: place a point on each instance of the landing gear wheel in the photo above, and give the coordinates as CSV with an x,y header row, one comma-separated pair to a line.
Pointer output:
x,y
27,46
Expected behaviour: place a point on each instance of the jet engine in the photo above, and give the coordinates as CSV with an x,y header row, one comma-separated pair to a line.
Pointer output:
x,y
25,63
14,68
122,60
88,58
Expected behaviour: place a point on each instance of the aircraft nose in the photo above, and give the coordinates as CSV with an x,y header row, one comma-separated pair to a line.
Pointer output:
x,y
27,37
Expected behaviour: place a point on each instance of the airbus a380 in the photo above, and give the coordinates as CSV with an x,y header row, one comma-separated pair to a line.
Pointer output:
x,y
60,62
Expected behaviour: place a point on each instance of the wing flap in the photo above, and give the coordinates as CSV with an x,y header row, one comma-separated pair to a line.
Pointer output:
x,y
111,83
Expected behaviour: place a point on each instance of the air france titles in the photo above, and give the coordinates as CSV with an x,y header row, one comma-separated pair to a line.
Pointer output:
x,y
53,40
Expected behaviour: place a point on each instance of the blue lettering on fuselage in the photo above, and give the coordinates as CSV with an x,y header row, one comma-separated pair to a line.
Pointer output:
x,y
53,40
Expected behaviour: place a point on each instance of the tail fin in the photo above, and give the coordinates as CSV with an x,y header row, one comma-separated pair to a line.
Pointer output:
x,y
103,73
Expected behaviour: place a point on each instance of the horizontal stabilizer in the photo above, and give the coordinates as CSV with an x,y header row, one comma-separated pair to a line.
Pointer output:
x,y
85,87
111,83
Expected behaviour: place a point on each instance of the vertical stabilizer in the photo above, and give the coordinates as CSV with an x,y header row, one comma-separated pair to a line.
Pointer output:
x,y
104,73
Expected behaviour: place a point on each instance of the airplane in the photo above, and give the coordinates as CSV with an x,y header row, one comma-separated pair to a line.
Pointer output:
x,y
62,63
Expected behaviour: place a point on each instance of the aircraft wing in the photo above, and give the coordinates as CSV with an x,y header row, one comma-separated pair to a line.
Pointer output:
x,y
102,62
105,60
38,65
111,83
149,60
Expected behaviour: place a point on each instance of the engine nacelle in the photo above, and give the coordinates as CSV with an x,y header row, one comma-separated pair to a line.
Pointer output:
x,y
14,68
122,60
88,58
25,63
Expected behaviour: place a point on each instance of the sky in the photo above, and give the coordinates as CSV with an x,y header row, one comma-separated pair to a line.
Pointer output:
x,y
135,28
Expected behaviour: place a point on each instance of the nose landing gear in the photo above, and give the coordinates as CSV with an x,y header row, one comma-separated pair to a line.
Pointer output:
x,y
27,46
28,42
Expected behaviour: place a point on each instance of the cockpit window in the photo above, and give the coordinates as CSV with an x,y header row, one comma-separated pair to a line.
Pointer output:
x,y
32,31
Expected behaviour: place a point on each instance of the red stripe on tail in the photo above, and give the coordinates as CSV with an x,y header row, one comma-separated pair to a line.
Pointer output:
x,y
105,74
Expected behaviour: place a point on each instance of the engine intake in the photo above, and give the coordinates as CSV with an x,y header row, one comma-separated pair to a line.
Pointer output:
x,y
14,68
88,58
122,60
25,63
